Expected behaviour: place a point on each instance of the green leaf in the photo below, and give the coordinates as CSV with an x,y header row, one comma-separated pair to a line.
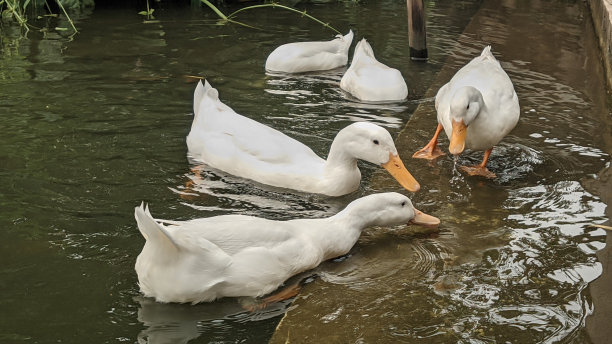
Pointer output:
x,y
25,4
61,29
147,13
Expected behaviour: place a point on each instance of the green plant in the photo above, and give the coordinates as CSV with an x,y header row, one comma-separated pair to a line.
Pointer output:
x,y
16,9
148,12
229,17
59,3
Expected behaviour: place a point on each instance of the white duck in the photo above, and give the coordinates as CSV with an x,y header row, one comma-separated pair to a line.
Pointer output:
x,y
477,108
301,57
367,79
237,255
227,141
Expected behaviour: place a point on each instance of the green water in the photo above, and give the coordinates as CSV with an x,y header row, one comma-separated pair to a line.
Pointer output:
x,y
96,123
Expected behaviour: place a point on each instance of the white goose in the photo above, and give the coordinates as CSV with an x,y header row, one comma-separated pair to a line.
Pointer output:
x,y
477,108
301,57
227,141
236,255
367,79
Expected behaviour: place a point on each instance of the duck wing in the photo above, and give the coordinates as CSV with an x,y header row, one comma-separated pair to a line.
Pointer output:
x,y
236,233
168,242
218,131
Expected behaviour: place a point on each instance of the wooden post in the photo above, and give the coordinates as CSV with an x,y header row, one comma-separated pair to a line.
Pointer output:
x,y
417,37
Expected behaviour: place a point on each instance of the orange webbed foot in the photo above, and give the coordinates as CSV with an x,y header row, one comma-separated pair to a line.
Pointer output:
x,y
428,153
281,295
478,171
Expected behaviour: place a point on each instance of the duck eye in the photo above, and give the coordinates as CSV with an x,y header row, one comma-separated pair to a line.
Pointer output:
x,y
375,142
403,203
468,107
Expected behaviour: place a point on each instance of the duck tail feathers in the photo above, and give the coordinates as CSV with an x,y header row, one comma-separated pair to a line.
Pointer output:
x,y
201,92
206,85
486,52
152,231
198,94
363,48
348,39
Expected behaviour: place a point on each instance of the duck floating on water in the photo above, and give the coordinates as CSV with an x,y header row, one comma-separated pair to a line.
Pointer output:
x,y
369,80
205,259
238,145
302,57
477,108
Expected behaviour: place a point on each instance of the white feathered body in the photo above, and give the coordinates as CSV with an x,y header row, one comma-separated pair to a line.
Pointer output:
x,y
235,255
238,145
224,256
501,110
368,79
301,57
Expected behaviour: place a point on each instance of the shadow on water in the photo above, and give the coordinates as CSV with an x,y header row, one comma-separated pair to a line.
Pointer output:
x,y
98,124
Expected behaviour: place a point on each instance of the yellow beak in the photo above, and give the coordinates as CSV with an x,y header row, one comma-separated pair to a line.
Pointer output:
x,y
395,166
423,219
457,140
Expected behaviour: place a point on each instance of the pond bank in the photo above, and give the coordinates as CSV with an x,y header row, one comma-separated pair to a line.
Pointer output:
x,y
597,323
601,11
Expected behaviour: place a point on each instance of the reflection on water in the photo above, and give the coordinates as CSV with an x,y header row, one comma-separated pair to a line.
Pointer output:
x,y
212,191
178,323
98,121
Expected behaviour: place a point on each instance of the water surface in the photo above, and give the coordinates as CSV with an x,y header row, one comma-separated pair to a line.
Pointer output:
x,y
96,123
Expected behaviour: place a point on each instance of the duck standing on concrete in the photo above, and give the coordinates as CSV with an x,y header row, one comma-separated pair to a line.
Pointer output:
x,y
477,108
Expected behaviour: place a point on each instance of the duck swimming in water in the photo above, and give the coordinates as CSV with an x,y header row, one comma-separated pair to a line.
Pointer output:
x,y
302,57
369,80
238,145
205,259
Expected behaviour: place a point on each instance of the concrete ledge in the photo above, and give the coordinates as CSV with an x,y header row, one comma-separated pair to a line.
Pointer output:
x,y
601,11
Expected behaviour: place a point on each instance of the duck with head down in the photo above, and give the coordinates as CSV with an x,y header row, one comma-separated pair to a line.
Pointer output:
x,y
204,259
300,57
477,108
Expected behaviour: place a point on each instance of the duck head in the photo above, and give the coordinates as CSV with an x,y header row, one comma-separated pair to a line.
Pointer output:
x,y
373,143
465,106
390,209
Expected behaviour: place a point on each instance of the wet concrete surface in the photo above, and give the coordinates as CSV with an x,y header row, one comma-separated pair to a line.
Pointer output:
x,y
517,41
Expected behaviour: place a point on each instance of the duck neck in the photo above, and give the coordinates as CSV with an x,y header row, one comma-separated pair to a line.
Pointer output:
x,y
341,165
337,236
339,157
358,215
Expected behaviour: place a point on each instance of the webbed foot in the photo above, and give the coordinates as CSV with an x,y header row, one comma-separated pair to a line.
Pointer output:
x,y
281,295
428,153
478,170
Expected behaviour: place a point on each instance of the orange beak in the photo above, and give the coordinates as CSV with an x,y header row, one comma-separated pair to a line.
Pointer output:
x,y
457,140
395,166
423,219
